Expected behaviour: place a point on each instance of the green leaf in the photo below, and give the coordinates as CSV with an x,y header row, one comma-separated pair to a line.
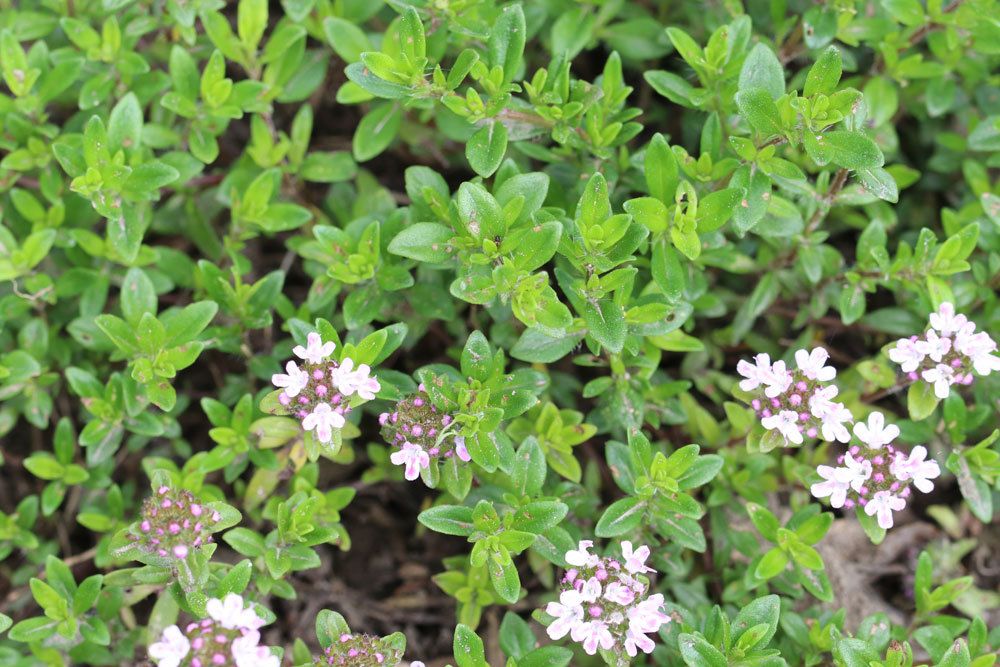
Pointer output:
x,y
328,167
137,295
697,652
772,564
874,532
151,176
880,183
716,208
920,400
347,39
621,517
504,575
186,324
759,110
486,148
448,519
125,124
468,648
825,73
425,242
763,610
606,324
661,170
907,12
850,150
506,43
376,131
761,69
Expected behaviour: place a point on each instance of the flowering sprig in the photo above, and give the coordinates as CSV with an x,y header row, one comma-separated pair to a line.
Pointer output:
x,y
359,650
174,524
797,403
229,637
421,435
344,648
875,475
948,354
323,391
604,603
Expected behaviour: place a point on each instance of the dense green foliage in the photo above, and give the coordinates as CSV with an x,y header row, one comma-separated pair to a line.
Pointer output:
x,y
566,222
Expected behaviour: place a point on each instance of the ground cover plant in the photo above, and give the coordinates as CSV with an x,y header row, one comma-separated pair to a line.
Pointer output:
x,y
471,332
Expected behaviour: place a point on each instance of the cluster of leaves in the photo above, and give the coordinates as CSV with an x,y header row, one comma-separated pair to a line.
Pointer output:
x,y
565,222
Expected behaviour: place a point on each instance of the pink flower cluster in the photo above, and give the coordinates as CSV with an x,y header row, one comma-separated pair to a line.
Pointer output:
x,y
875,474
359,651
319,393
797,403
173,523
948,353
421,434
229,637
604,602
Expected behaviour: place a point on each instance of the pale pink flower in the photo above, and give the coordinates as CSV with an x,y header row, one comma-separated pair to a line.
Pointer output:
x,y
172,648
876,433
591,590
979,348
581,556
907,354
946,321
636,641
316,351
293,380
787,423
248,653
323,419
858,471
619,593
648,616
568,612
461,451
833,415
349,381
934,346
593,635
918,469
813,364
635,561
231,613
882,505
835,485
413,457
778,381
942,377
756,374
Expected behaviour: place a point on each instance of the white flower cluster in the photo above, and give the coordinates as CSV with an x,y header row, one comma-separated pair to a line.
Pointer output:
x,y
320,392
877,475
797,403
229,637
948,353
604,602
